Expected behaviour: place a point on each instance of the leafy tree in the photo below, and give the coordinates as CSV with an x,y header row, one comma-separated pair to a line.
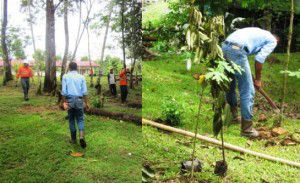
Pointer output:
x,y
7,63
84,58
39,57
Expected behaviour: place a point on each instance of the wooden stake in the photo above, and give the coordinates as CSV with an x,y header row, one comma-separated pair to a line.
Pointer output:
x,y
217,142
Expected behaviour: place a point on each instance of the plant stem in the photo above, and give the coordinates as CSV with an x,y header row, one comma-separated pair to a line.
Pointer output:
x,y
196,131
223,151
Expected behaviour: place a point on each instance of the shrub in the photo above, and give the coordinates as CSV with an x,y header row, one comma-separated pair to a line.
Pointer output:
x,y
96,102
172,112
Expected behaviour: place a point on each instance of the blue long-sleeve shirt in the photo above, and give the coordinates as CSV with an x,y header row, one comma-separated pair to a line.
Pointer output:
x,y
73,84
256,40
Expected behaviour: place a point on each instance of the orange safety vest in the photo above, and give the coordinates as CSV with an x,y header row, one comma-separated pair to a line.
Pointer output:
x,y
123,78
24,72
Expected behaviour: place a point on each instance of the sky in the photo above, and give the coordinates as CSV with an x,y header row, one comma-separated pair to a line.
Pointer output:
x,y
17,18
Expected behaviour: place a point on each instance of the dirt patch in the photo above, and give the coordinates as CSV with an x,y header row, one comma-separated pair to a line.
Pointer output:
x,y
38,109
278,136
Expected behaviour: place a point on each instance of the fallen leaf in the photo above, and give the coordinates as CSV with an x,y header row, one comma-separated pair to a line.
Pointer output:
x,y
279,131
288,142
262,118
77,154
270,143
265,134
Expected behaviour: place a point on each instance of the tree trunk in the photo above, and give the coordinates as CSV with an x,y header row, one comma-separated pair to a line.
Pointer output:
x,y
103,47
50,71
66,26
123,39
131,73
89,55
31,28
287,60
79,36
7,63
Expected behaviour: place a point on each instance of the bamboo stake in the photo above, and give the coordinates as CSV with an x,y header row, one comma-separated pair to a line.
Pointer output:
x,y
217,142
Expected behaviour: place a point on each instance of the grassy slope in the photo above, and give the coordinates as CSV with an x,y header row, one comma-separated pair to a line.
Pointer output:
x,y
34,144
167,76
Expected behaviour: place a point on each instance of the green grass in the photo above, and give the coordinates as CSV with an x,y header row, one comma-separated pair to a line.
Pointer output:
x,y
167,77
34,144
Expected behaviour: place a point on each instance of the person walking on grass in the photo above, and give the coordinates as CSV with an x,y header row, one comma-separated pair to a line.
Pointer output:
x,y
236,48
112,82
123,85
25,72
74,98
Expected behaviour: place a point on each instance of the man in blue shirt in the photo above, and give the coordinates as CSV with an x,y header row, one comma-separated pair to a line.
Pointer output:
x,y
74,94
236,48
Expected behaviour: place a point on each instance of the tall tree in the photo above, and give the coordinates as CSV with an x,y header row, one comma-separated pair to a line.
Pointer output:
x,y
50,71
123,30
66,27
288,50
89,5
7,61
104,45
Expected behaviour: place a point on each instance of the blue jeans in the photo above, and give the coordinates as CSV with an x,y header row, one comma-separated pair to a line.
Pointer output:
x,y
75,112
25,86
244,80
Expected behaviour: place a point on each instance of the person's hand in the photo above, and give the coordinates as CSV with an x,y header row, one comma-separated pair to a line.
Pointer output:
x,y
257,84
87,106
65,106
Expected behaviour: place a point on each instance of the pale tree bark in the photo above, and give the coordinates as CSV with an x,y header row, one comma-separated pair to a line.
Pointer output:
x,y
50,71
79,36
6,59
131,73
287,61
66,27
31,27
104,45
89,55
123,27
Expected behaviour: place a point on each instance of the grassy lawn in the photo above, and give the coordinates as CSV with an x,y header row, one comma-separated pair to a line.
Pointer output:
x,y
34,143
167,77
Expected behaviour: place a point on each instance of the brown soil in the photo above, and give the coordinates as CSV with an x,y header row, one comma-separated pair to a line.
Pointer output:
x,y
221,168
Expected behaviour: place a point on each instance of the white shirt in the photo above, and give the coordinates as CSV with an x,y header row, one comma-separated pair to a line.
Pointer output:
x,y
112,79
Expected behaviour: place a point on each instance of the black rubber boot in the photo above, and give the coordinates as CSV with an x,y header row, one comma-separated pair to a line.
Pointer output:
x,y
73,138
82,140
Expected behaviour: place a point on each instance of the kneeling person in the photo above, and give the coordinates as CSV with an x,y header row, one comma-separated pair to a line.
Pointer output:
x,y
74,92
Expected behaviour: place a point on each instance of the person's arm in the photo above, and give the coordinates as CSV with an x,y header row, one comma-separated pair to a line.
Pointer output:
x,y
84,93
64,93
257,81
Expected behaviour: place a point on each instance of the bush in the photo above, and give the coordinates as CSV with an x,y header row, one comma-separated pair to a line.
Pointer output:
x,y
172,112
97,103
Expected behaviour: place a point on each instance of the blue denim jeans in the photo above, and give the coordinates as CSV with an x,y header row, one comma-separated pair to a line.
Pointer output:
x,y
25,85
244,80
75,112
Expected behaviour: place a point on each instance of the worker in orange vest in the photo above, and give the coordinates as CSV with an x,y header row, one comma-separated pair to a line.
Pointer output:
x,y
25,73
123,84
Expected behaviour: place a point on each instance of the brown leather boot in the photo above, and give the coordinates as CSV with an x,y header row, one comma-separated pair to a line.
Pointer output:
x,y
235,118
82,141
247,130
